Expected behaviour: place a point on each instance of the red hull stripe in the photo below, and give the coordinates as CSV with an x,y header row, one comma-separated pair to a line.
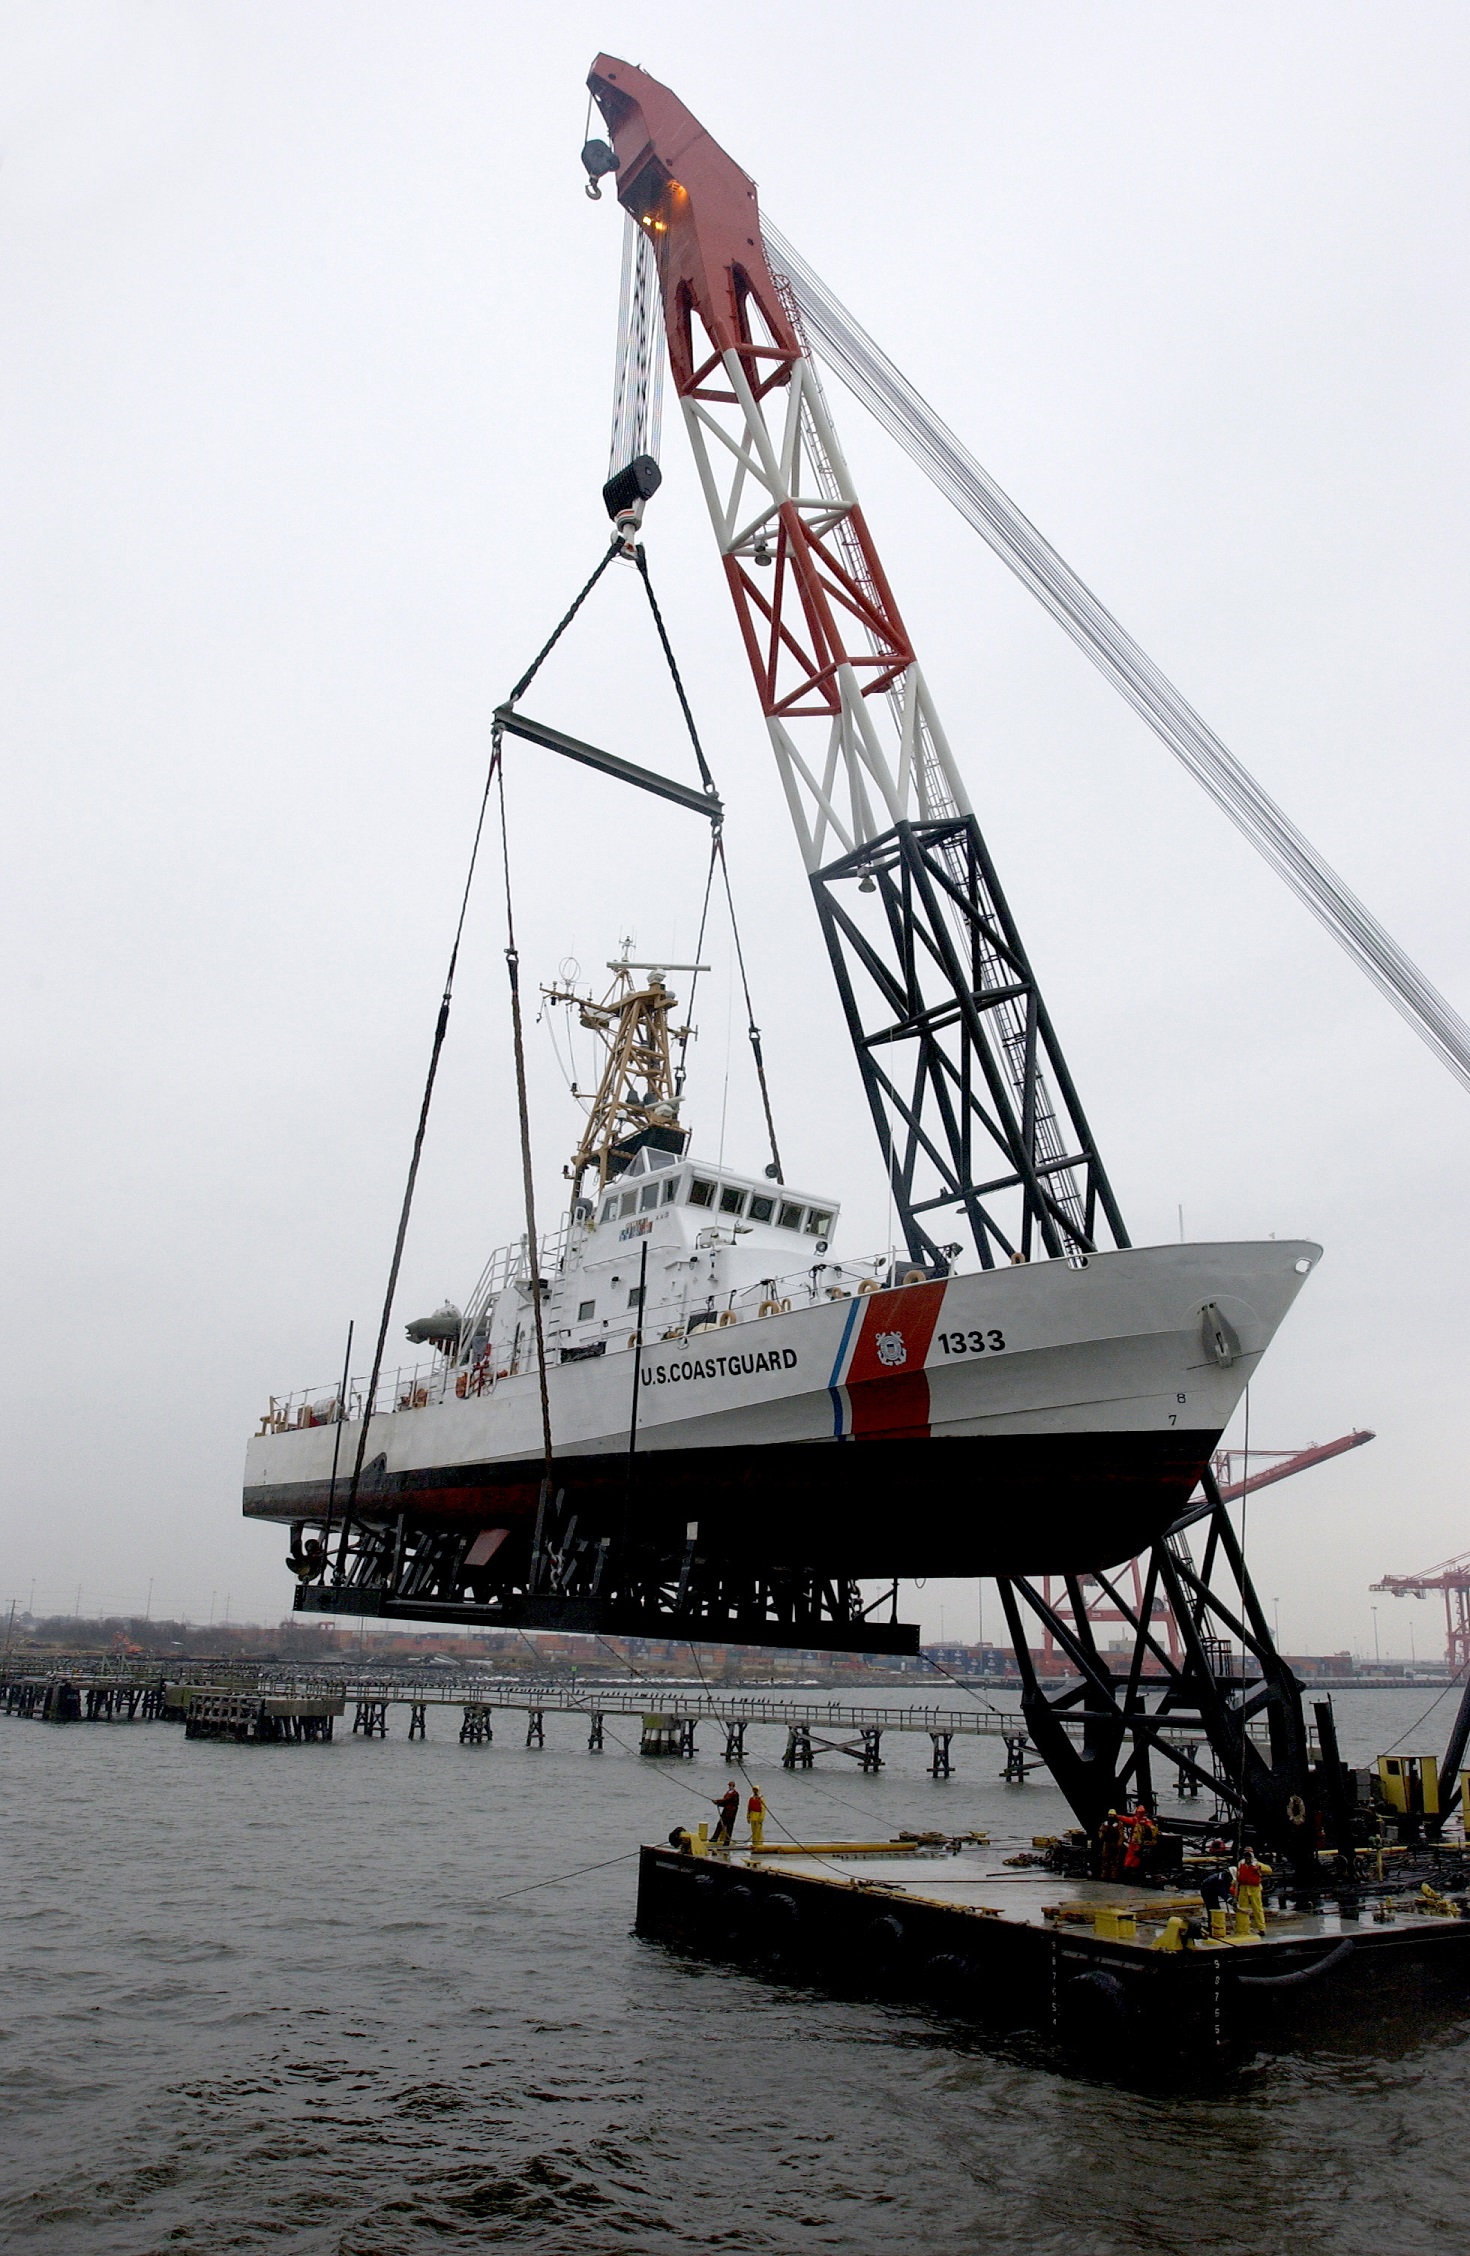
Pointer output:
x,y
886,1382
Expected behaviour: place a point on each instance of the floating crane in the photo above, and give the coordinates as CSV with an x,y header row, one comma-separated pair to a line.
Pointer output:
x,y
976,1112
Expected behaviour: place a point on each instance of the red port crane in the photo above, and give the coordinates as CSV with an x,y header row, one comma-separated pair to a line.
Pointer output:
x,y
1285,1463
1452,1577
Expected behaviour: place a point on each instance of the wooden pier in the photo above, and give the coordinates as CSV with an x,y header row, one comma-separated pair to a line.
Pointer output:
x,y
669,1716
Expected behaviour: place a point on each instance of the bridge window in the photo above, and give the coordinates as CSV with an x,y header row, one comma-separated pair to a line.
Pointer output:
x,y
671,1189
586,1310
731,1200
648,1196
701,1194
761,1207
818,1225
789,1216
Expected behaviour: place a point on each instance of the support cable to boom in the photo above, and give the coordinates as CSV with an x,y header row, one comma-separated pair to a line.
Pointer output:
x,y
903,412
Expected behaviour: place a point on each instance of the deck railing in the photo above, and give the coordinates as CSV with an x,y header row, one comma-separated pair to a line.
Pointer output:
x,y
693,1315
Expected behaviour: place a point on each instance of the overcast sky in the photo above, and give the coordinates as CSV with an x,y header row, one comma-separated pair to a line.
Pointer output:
x,y
306,387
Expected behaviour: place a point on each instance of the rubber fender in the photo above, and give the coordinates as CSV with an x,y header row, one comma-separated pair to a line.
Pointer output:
x,y
948,1979
736,1909
1302,1974
1092,2011
780,1921
882,1943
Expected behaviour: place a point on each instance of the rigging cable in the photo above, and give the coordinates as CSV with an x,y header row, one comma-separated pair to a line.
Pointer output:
x,y
688,1028
440,1030
753,1032
614,548
533,1242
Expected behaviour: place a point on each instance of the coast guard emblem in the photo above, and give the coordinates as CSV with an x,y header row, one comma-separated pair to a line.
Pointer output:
x,y
891,1350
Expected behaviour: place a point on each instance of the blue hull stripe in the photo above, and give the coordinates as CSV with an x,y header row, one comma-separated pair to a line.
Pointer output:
x,y
832,1387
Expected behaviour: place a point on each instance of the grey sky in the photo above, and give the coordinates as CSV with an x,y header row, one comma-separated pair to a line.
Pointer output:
x,y
306,389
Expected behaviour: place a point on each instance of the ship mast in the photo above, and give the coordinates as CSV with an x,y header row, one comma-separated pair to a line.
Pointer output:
x,y
636,1102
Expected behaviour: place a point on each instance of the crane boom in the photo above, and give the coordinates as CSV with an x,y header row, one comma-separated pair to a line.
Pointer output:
x,y
908,418
975,1109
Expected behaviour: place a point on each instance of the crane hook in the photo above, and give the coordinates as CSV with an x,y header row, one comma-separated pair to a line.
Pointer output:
x,y
597,159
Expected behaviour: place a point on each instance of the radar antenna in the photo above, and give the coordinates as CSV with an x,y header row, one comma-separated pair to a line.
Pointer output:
x,y
636,1101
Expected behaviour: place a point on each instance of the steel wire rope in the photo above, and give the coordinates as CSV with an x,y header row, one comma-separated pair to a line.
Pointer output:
x,y
902,411
613,549
1437,1701
580,1707
441,1028
1245,1476
557,1878
753,1032
737,1762
961,1686
528,1185
688,1029
824,1794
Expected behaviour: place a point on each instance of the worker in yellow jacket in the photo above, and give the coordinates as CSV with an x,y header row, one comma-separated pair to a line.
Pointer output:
x,y
1249,1880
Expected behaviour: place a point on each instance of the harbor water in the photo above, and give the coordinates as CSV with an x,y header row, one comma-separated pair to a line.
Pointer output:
x,y
380,1998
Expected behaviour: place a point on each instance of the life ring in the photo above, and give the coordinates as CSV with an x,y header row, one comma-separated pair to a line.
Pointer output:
x,y
769,1308
727,1316
915,1277
869,1284
1296,1810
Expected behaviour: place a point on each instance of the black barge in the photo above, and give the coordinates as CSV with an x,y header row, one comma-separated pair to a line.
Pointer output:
x,y
1078,1961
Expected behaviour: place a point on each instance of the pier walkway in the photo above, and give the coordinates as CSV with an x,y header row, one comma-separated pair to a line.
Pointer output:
x,y
669,1714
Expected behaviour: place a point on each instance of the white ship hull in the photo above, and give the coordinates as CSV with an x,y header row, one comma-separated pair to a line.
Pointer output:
x,y
1015,1420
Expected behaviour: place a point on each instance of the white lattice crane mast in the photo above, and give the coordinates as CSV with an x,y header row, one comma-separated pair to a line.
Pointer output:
x,y
975,1109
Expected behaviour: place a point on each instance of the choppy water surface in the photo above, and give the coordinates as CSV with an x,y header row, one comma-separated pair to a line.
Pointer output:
x,y
282,1998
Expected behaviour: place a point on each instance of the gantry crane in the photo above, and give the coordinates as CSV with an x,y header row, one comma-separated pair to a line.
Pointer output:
x,y
1452,1579
1278,1465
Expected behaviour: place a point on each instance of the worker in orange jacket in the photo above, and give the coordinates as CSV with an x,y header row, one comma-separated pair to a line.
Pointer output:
x,y
1142,1835
755,1810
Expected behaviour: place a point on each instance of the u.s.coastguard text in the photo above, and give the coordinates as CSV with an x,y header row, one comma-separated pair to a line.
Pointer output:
x,y
720,1367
